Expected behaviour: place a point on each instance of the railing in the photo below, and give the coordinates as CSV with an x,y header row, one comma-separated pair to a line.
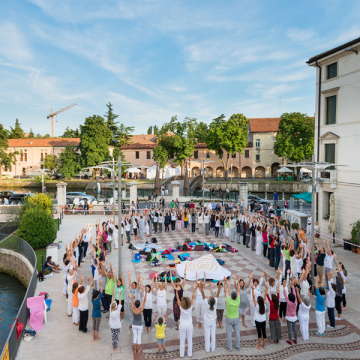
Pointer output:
x,y
7,229
20,246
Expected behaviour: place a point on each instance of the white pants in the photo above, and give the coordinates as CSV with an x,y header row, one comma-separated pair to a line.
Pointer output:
x,y
252,308
320,321
200,313
161,312
304,326
75,315
209,334
64,287
186,332
70,307
115,242
137,331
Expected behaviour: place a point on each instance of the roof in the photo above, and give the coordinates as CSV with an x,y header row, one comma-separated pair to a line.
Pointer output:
x,y
141,142
47,142
334,50
203,145
260,125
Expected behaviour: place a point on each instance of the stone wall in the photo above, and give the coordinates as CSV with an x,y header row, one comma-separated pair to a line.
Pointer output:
x,y
16,265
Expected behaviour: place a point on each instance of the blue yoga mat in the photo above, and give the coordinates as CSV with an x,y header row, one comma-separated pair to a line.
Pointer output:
x,y
170,257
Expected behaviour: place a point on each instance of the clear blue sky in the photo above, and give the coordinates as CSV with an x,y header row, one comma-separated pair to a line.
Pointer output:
x,y
155,59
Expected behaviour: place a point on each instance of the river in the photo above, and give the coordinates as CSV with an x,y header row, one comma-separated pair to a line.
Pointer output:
x,y
12,293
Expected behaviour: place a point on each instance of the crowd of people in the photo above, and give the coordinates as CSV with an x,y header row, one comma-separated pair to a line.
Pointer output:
x,y
273,301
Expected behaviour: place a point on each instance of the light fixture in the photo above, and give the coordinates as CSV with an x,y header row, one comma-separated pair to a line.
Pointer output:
x,y
351,49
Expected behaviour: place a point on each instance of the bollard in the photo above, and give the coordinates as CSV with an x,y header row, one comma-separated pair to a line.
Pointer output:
x,y
58,224
42,262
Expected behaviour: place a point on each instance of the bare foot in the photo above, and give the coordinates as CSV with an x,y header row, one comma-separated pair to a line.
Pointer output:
x,y
258,347
244,325
117,348
198,326
139,351
99,338
263,346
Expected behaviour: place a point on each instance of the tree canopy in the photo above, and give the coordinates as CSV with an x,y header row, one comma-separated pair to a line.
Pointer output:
x,y
70,133
51,162
6,158
201,132
69,162
227,137
149,130
16,132
31,134
111,123
295,137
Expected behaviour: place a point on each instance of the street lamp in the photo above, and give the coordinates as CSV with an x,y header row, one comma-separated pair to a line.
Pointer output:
x,y
42,179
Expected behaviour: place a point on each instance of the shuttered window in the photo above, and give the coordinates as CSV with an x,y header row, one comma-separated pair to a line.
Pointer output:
x,y
330,155
331,110
332,71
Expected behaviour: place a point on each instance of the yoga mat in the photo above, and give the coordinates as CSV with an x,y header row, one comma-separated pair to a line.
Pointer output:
x,y
170,257
37,307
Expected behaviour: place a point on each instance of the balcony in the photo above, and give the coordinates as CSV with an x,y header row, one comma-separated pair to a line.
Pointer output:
x,y
329,177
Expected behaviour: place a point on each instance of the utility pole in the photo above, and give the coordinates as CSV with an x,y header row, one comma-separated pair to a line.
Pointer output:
x,y
119,216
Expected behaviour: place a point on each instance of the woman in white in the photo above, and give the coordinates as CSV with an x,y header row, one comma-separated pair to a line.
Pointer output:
x,y
200,220
115,230
83,305
259,240
70,279
161,221
232,228
199,301
186,325
137,323
207,222
162,191
147,227
161,297
257,292
220,305
303,313
148,303
114,321
210,319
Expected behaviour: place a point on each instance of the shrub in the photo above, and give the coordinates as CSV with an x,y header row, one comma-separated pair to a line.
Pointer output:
x,y
37,227
355,233
38,178
43,200
282,222
294,226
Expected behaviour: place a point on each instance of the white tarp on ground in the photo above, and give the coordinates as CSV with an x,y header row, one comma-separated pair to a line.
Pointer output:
x,y
165,173
207,263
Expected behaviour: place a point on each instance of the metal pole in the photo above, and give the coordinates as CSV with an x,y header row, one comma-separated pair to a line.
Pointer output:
x,y
313,202
203,174
119,218
42,181
114,200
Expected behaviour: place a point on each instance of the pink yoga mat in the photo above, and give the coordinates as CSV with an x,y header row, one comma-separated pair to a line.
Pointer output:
x,y
37,307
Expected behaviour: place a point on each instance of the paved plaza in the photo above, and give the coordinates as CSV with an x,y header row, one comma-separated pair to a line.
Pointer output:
x,y
60,339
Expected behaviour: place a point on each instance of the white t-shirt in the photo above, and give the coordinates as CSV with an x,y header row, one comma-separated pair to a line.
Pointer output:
x,y
299,264
161,299
83,299
206,219
210,315
186,315
199,297
328,261
304,285
114,318
304,310
259,317
148,302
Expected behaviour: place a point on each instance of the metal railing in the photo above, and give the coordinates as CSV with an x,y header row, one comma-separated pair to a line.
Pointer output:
x,y
20,246
7,229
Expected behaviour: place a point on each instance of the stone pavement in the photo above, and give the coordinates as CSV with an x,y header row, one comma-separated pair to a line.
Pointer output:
x,y
60,339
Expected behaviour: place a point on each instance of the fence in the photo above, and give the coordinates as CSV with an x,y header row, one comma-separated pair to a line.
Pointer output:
x,y
20,246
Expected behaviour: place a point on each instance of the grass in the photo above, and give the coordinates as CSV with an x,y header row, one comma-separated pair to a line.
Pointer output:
x,y
39,253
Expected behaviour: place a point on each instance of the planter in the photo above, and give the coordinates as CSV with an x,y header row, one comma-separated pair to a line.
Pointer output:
x,y
358,250
347,246
354,250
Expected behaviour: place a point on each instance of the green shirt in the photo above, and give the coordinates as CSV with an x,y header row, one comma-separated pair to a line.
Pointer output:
x,y
287,254
227,225
109,287
232,307
117,292
172,205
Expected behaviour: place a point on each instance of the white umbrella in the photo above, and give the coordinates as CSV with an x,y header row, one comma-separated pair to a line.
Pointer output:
x,y
284,170
332,219
303,170
132,170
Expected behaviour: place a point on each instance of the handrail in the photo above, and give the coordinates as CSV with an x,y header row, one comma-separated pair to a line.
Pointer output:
x,y
19,245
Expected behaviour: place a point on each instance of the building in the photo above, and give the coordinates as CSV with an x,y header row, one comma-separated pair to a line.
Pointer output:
x,y
32,153
337,133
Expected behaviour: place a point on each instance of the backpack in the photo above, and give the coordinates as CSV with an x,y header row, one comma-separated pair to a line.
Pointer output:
x,y
153,240
41,276
148,257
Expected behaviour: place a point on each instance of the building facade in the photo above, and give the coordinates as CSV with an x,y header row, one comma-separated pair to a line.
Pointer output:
x,y
337,133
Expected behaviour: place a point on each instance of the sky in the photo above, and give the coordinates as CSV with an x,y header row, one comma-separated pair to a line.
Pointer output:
x,y
156,59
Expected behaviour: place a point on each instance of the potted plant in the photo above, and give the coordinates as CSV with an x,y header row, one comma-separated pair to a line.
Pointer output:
x,y
355,236
295,226
327,217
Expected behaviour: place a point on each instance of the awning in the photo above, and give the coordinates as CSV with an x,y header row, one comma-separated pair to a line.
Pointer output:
x,y
306,196
284,170
303,170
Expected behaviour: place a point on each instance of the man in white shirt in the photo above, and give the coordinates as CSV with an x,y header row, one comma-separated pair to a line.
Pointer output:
x,y
227,193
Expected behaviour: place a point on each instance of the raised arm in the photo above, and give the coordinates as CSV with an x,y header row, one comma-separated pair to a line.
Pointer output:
x,y
193,296
143,304
177,298
156,282
202,292
184,281
129,279
298,295
171,280
225,287
253,295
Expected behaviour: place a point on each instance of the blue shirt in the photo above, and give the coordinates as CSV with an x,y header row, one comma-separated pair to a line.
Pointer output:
x,y
276,196
320,301
96,311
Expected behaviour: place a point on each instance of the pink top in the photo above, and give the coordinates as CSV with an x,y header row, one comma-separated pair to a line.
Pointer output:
x,y
291,306
105,238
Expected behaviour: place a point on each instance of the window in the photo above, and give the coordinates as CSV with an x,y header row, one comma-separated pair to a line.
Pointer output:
x,y
257,157
25,156
331,71
21,156
41,157
233,156
257,143
246,154
45,155
137,155
148,155
196,154
208,155
331,110
330,155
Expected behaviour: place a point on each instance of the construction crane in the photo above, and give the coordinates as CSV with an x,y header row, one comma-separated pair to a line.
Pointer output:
x,y
55,113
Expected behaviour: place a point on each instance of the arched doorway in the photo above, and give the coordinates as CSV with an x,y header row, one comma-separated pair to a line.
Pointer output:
x,y
209,172
246,172
235,172
260,172
195,171
220,172
274,167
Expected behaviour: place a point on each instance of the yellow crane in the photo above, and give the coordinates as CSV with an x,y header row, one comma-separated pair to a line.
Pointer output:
x,y
55,113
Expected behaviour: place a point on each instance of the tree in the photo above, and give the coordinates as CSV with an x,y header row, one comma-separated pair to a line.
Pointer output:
x,y
16,132
70,133
156,130
149,130
94,141
38,136
111,123
201,132
46,136
160,154
42,200
51,162
6,158
227,137
69,162
31,134
295,137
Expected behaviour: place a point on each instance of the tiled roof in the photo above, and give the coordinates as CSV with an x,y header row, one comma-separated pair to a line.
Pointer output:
x,y
141,142
48,142
259,125
333,51
203,145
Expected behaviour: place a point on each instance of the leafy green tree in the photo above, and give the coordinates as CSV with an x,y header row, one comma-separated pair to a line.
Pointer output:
x,y
201,132
38,136
156,130
227,137
46,136
295,137
16,132
69,162
51,162
43,200
70,133
31,134
111,123
149,130
94,142
160,154
6,158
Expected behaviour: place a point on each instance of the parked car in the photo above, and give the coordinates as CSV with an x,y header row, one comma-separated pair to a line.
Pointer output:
x,y
6,177
258,199
6,194
70,196
18,198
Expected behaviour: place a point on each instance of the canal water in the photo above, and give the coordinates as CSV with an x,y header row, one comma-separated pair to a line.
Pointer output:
x,y
12,293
